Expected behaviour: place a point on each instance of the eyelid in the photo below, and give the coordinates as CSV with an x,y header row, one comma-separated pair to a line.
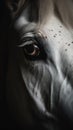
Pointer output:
x,y
26,42
31,38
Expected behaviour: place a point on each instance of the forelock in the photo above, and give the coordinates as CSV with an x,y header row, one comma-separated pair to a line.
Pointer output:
x,y
62,8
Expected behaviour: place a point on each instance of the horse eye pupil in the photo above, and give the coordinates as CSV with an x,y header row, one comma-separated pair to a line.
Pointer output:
x,y
29,48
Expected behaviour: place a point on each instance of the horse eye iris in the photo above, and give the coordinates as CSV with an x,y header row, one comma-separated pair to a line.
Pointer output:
x,y
31,50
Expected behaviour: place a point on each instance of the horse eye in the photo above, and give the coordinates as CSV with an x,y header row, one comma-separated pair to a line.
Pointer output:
x,y
32,50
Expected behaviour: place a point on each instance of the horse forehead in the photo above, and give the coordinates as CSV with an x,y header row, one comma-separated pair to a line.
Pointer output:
x,y
61,37
56,31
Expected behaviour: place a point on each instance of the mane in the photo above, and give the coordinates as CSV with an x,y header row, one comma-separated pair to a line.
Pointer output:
x,y
62,8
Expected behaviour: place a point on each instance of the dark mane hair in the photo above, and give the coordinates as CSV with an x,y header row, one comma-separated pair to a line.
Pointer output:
x,y
62,8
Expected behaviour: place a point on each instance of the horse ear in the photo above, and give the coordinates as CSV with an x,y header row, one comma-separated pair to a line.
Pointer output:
x,y
14,5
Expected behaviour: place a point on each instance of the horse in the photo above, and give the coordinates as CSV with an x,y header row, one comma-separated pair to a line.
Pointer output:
x,y
39,70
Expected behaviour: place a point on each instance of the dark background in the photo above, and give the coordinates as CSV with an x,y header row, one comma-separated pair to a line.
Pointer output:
x,y
4,22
